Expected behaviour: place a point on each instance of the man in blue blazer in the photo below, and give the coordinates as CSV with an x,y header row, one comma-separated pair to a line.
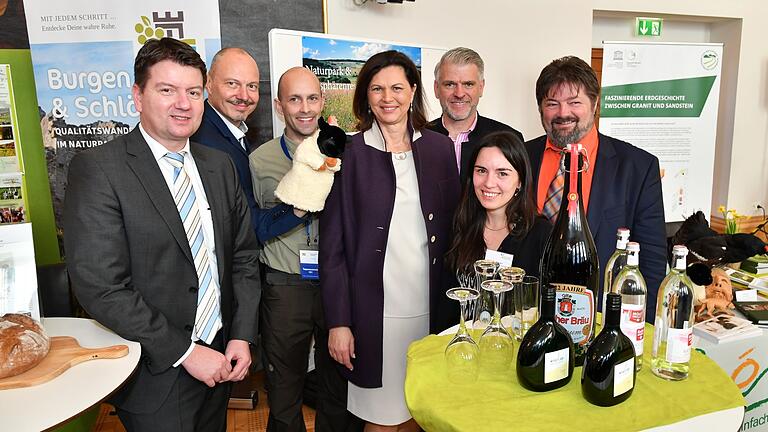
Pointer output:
x,y
233,93
624,188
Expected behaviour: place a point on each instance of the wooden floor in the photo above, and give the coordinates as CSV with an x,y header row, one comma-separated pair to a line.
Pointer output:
x,y
254,420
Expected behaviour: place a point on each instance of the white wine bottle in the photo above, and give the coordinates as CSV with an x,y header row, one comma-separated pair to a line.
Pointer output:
x,y
674,321
608,376
631,285
569,261
615,263
545,357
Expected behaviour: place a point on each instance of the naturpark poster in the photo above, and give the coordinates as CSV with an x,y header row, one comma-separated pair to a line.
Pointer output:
x,y
337,62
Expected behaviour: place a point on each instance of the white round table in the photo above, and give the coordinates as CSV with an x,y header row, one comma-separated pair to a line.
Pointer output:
x,y
77,389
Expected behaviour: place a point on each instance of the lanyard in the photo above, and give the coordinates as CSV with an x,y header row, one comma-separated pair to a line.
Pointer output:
x,y
307,226
285,150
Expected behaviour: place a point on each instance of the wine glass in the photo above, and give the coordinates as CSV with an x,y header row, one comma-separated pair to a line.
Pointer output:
x,y
484,270
461,354
510,317
496,345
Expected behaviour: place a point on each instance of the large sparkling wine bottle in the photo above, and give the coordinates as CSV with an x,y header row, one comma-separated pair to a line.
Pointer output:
x,y
608,376
569,262
615,263
631,285
674,320
545,359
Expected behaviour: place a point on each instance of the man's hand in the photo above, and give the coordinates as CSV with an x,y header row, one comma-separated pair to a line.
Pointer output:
x,y
207,365
341,345
299,213
240,352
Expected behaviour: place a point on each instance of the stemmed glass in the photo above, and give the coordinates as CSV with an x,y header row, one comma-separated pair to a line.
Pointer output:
x,y
496,345
484,270
461,354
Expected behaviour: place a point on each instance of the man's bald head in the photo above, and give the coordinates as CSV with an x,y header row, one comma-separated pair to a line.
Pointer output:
x,y
233,84
295,73
299,102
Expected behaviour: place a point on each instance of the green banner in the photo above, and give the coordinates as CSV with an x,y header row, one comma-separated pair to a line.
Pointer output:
x,y
671,98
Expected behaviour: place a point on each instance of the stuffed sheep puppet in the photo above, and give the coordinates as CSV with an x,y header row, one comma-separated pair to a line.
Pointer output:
x,y
307,184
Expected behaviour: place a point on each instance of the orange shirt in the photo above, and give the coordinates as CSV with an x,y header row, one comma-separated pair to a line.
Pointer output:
x,y
550,162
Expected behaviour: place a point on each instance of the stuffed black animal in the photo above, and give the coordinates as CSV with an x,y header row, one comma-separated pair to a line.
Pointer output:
x,y
707,248
332,139
307,184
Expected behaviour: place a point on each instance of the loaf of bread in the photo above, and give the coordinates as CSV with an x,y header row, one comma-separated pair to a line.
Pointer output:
x,y
23,344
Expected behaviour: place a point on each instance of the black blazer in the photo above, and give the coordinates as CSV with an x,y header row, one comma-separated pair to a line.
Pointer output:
x,y
130,262
626,192
268,223
484,127
527,253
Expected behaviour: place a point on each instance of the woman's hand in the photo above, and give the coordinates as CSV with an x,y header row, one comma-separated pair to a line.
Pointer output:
x,y
341,345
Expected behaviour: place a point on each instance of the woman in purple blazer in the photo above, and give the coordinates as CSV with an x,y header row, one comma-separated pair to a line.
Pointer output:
x,y
384,232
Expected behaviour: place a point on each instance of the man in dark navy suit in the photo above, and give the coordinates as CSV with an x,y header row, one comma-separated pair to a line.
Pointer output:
x,y
621,187
233,93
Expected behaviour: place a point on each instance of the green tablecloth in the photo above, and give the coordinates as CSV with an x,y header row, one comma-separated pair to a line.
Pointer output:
x,y
499,403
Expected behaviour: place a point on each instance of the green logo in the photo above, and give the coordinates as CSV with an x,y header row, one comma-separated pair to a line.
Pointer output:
x,y
709,60
147,31
162,25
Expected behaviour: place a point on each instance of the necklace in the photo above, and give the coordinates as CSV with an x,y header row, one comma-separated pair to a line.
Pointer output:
x,y
510,227
399,155
495,229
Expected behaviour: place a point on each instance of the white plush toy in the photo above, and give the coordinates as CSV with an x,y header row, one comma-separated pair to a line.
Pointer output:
x,y
307,184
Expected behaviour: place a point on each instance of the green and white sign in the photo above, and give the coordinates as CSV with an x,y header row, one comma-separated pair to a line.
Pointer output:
x,y
663,98
648,26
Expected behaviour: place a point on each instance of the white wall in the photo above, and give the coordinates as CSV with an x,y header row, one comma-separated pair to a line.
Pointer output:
x,y
611,26
517,39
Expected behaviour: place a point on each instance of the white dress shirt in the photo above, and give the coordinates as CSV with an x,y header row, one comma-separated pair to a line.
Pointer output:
x,y
159,151
237,131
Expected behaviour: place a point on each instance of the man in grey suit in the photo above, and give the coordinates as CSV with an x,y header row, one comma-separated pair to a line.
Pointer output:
x,y
160,249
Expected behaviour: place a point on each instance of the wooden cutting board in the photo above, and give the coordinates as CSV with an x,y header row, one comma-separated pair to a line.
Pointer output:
x,y
64,353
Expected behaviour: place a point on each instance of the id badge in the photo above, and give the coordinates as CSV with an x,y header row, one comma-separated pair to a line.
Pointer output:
x,y
308,264
504,259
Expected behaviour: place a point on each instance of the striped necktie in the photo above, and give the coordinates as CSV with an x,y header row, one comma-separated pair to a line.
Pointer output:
x,y
208,315
554,196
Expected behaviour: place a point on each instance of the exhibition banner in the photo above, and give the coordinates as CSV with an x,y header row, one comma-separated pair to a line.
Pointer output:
x,y
9,161
746,362
83,53
663,98
337,63
11,196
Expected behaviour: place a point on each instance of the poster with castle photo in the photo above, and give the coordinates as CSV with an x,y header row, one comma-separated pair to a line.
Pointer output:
x,y
82,56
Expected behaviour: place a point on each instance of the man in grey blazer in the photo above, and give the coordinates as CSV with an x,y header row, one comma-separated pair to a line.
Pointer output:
x,y
160,249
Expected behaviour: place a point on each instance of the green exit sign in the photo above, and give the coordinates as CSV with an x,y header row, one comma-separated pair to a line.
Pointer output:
x,y
648,26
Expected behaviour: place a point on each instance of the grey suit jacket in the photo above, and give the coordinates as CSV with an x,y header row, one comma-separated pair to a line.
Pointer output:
x,y
131,265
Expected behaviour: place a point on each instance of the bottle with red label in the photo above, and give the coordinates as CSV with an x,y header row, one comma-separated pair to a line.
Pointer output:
x,y
631,285
569,261
613,267
673,334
